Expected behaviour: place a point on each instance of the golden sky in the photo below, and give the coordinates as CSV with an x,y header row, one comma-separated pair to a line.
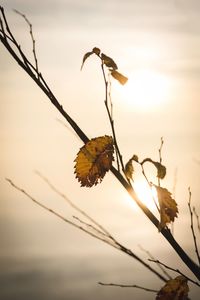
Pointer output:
x,y
156,44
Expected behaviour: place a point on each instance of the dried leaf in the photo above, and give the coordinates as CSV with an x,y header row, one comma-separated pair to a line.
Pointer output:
x,y
85,57
174,289
168,207
93,160
96,50
108,61
129,169
121,78
135,158
161,170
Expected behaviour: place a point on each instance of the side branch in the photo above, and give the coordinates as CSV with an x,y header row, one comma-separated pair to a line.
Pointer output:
x,y
175,270
128,286
192,226
104,236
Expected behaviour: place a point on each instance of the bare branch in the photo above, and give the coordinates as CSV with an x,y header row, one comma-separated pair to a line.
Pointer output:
x,y
111,120
192,226
103,230
197,218
109,238
159,265
32,38
51,210
174,195
175,270
160,155
112,242
128,286
68,128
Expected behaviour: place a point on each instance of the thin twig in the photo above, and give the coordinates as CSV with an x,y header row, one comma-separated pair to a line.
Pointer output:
x,y
68,128
149,183
159,265
46,180
109,95
32,38
111,239
197,218
192,226
128,286
112,242
174,195
118,154
160,155
90,226
110,114
52,211
175,270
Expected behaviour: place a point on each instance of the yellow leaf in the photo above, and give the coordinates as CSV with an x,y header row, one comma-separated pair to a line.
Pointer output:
x,y
129,169
93,160
121,78
174,289
168,207
108,61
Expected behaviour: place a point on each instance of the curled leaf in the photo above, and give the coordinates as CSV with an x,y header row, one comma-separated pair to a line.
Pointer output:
x,y
168,207
93,160
129,169
85,57
135,158
174,289
96,50
118,76
108,61
161,170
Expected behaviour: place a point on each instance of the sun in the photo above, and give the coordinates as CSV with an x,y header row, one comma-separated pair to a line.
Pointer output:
x,y
146,89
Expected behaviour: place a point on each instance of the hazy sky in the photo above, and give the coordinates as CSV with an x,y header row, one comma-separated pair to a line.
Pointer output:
x,y
154,43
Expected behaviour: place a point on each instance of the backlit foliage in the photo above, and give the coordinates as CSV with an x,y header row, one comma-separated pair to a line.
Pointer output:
x,y
93,160
168,207
108,62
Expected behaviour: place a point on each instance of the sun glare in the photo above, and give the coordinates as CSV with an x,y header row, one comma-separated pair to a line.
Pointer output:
x,y
146,90
145,194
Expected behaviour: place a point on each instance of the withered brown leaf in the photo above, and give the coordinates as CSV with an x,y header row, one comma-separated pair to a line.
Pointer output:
x,y
108,61
93,160
174,289
168,207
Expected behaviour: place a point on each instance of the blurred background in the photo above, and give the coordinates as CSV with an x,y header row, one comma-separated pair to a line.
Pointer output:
x,y
156,44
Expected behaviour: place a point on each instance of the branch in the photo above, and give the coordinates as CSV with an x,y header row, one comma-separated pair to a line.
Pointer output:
x,y
160,155
197,218
52,211
103,230
108,239
175,270
107,96
32,38
128,286
30,70
192,226
159,265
